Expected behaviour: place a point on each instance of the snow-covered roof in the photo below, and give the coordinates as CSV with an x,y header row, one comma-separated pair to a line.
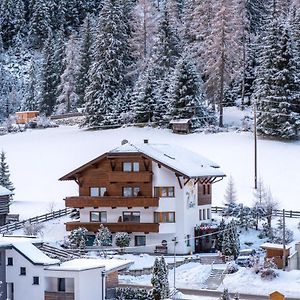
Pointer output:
x,y
274,246
180,121
27,111
25,246
182,160
81,264
4,191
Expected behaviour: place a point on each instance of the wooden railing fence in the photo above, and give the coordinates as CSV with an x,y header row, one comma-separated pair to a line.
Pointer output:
x,y
276,212
38,219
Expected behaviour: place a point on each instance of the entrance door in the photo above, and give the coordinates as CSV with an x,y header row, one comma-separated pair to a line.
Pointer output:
x,y
10,291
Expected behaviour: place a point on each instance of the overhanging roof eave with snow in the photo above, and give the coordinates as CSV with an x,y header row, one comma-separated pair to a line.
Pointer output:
x,y
5,192
181,161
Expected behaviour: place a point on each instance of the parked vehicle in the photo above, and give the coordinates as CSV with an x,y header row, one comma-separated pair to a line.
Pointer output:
x,y
245,257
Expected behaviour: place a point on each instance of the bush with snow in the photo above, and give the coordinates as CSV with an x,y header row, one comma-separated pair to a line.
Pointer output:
x,y
232,267
267,269
32,228
132,293
77,238
122,240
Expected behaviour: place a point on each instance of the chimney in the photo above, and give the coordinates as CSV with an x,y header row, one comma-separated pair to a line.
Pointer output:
x,y
146,141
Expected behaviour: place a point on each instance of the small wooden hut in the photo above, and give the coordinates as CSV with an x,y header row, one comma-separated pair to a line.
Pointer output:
x,y
181,125
5,197
23,117
276,252
276,296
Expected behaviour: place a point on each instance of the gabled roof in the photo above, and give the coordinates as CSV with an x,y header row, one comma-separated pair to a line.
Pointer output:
x,y
180,160
4,191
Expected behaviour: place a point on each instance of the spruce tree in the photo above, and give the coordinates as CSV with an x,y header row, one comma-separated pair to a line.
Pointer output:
x,y
12,20
276,85
230,192
4,173
186,99
102,237
85,57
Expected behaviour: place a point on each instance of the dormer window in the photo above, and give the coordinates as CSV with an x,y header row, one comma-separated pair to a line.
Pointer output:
x,y
131,166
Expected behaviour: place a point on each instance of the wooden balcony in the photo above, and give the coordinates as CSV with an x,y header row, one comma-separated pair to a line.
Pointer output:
x,y
59,296
111,201
117,176
115,227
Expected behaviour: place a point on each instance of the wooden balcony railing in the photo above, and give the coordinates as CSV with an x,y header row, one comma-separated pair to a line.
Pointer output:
x,y
59,296
115,227
117,176
111,201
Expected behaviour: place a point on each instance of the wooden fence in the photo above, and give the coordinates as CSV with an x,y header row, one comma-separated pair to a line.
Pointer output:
x,y
276,212
38,219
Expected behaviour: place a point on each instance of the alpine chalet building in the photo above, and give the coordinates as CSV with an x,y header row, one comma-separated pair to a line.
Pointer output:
x,y
155,192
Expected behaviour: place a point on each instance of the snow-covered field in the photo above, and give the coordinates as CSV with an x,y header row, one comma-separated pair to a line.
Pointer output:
x,y
38,158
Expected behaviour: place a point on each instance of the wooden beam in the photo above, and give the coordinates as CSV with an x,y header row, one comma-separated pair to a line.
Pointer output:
x,y
186,182
179,181
196,181
112,164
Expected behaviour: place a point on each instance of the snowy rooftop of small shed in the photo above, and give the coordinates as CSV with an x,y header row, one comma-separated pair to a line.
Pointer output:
x,y
180,121
81,264
175,157
274,246
4,191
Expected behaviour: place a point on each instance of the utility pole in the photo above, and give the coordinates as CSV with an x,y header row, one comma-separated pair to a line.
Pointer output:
x,y
283,240
255,144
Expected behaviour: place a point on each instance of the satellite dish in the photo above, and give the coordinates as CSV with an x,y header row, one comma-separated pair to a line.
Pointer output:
x,y
124,142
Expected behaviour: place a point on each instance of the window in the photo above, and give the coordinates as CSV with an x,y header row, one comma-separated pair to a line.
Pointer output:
x,y
140,240
164,217
22,271
131,216
204,214
61,284
131,166
164,191
97,191
36,280
10,261
206,189
200,215
98,216
208,213
129,191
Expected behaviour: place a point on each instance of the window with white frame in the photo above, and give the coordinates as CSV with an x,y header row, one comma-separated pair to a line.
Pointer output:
x,y
131,191
97,191
129,166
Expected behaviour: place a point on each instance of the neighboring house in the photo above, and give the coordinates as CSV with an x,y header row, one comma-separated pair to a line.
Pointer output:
x,y
23,117
155,192
181,125
27,273
294,258
5,197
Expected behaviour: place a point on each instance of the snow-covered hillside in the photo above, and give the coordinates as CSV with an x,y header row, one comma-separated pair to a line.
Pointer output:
x,y
38,158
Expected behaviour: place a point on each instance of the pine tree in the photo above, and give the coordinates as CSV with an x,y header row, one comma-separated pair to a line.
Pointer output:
x,y
12,20
103,237
40,23
220,235
164,278
156,287
225,295
78,238
276,85
230,192
159,279
186,100
106,94
31,97
67,99
85,54
122,240
4,173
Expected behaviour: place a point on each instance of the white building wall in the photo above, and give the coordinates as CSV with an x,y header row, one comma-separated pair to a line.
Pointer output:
x,y
23,284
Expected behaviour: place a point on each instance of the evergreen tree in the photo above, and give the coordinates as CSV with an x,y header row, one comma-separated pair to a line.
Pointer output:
x,y
230,192
40,23
4,173
225,295
276,85
31,97
164,271
103,237
159,279
106,94
220,235
85,54
67,99
12,20
122,240
78,238
231,243
186,100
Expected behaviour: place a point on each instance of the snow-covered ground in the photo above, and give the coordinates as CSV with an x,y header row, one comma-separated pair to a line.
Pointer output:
x,y
38,158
